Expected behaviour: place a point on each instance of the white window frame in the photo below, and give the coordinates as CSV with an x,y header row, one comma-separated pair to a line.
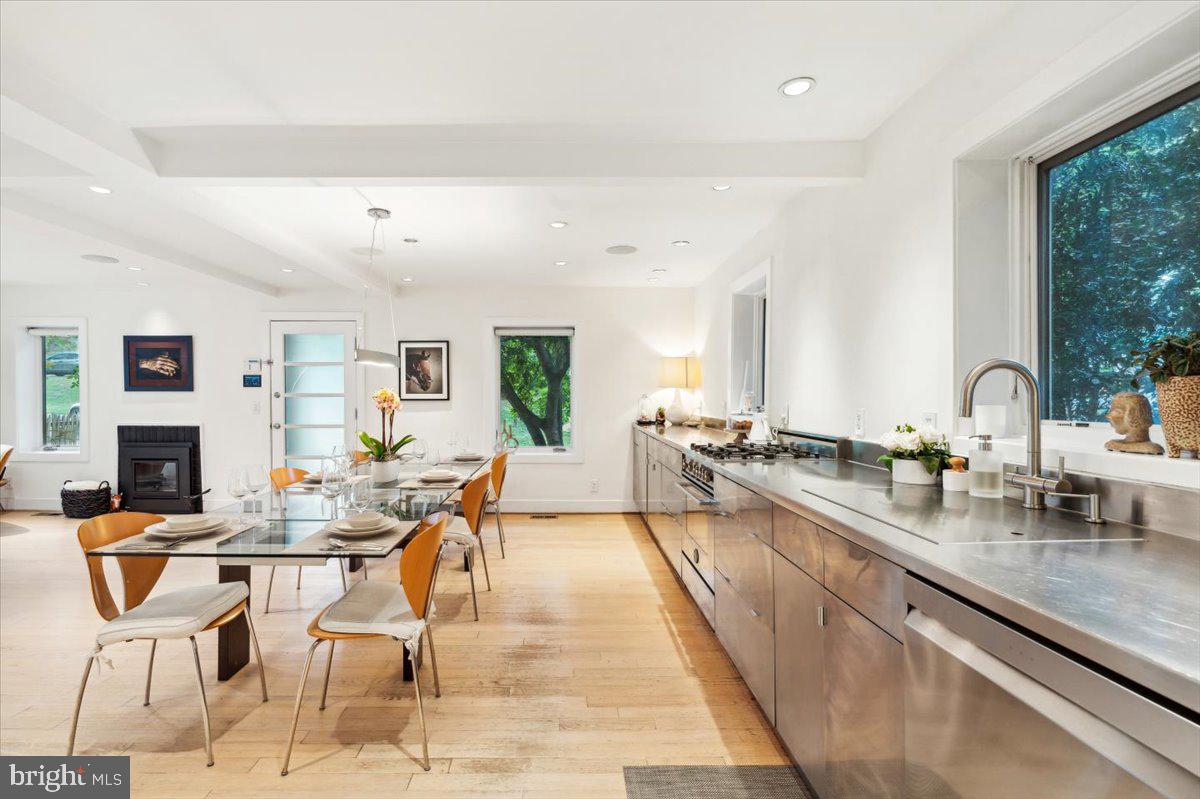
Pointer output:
x,y
27,382
574,453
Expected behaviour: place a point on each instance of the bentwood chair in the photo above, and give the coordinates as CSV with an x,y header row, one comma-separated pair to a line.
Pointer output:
x,y
173,615
499,468
376,609
467,531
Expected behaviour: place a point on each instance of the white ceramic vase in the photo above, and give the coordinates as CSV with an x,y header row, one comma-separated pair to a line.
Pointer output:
x,y
385,471
911,473
676,413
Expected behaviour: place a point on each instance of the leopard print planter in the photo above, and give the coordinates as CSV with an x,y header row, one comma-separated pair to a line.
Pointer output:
x,y
1179,409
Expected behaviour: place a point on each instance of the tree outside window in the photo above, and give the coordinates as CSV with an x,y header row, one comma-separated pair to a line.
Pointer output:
x,y
60,392
535,389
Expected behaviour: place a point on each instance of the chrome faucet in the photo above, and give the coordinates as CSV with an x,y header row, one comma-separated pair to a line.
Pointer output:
x,y
1034,487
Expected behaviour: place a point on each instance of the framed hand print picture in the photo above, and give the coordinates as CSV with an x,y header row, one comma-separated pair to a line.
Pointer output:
x,y
158,363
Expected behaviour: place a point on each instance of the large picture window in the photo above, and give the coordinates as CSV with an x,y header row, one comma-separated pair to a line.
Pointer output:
x,y
1119,253
535,387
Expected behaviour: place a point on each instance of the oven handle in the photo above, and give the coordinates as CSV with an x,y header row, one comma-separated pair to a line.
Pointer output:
x,y
691,491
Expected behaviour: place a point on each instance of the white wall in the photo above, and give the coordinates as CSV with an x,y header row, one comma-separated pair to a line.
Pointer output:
x,y
622,333
863,277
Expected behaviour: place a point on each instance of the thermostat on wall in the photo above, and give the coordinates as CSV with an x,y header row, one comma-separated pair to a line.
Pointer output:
x,y
251,381
254,365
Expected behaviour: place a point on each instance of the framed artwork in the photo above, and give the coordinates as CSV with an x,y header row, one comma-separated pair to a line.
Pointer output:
x,y
158,363
425,370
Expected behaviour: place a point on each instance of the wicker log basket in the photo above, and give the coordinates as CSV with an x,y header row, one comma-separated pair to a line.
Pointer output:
x,y
84,503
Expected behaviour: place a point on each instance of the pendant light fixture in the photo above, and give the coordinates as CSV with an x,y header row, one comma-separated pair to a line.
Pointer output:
x,y
362,356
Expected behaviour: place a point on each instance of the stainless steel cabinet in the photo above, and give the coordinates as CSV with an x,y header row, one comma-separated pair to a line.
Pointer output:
x,y
674,503
799,540
750,643
872,585
639,471
799,667
742,552
654,508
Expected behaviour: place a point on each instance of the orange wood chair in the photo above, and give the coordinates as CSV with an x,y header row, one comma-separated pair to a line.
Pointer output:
x,y
499,470
281,478
175,614
401,611
467,532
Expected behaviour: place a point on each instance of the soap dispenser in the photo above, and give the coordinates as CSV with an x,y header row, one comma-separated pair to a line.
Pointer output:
x,y
987,470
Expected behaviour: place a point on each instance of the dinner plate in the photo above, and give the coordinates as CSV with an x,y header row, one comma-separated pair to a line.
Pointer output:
x,y
183,524
311,479
468,456
350,532
158,531
341,526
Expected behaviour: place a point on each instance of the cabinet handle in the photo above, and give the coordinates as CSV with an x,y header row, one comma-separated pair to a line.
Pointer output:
x,y
726,579
754,613
753,535
820,615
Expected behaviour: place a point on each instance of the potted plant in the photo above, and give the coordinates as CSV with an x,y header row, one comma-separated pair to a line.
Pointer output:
x,y
914,456
385,453
1173,365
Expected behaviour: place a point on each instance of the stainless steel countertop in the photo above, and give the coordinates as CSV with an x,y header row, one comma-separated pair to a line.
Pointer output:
x,y
1125,597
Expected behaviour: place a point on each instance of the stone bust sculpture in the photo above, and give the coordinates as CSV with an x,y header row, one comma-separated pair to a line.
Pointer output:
x,y
1131,417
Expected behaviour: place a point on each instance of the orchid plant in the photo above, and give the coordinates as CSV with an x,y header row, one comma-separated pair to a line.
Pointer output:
x,y
907,443
386,449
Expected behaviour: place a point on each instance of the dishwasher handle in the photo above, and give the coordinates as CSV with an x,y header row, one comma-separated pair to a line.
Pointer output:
x,y
700,499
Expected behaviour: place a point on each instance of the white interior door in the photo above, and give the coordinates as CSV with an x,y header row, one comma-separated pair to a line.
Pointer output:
x,y
314,400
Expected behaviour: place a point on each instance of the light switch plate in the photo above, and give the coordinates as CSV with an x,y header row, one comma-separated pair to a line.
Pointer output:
x,y
860,422
929,419
254,365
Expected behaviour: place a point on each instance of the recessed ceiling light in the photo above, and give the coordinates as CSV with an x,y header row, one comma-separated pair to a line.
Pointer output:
x,y
621,249
406,280
796,86
144,285
287,269
659,271
558,224
101,259
100,189
681,243
560,263
410,241
722,187
134,268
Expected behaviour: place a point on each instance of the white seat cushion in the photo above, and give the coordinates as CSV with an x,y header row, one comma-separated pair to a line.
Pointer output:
x,y
177,614
375,607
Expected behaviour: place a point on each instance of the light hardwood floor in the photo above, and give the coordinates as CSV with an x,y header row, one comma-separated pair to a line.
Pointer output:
x,y
588,657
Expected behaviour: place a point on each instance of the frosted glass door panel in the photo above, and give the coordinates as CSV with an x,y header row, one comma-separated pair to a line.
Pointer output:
x,y
314,440
307,347
314,379
310,465
315,410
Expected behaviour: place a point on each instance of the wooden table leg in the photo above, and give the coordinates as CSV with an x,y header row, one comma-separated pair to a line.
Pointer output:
x,y
233,639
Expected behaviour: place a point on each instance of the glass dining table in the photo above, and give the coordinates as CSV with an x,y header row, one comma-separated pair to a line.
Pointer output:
x,y
290,528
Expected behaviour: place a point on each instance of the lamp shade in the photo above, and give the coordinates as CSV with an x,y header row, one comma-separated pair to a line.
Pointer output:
x,y
679,373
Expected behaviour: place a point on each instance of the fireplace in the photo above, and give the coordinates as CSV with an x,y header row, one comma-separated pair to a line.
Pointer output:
x,y
158,468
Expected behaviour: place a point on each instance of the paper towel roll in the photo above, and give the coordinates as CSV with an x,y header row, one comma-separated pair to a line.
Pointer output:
x,y
991,420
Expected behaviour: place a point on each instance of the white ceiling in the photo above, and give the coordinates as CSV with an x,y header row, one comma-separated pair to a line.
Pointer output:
x,y
476,123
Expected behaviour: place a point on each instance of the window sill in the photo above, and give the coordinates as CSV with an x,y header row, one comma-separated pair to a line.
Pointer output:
x,y
59,456
572,456
1084,452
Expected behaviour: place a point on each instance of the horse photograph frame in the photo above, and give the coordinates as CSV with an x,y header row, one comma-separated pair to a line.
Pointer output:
x,y
424,370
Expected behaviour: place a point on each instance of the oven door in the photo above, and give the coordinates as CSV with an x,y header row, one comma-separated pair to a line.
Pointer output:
x,y
698,530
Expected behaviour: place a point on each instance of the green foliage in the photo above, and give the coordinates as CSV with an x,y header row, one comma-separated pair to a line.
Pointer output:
x,y
908,443
535,388
1124,258
380,451
1169,356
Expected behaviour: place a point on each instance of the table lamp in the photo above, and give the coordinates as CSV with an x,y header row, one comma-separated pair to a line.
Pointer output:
x,y
678,373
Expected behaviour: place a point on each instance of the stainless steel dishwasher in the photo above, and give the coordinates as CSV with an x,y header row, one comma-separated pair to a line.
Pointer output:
x,y
992,712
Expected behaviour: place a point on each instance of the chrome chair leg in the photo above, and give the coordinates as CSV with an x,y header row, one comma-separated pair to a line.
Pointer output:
x,y
299,571
437,683
150,670
287,756
342,571
499,527
328,668
270,582
420,708
203,701
262,667
483,554
474,599
87,669
365,568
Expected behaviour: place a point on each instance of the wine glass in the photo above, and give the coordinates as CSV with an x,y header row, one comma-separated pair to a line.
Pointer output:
x,y
419,450
360,495
239,486
257,478
333,482
452,445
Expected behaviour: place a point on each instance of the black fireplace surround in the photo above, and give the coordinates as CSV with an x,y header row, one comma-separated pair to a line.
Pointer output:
x,y
158,468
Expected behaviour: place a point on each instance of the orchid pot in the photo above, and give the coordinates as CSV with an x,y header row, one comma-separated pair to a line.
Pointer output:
x,y
385,451
385,471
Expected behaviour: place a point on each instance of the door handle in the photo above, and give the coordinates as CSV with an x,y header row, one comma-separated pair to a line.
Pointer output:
x,y
754,613
276,395
276,426
820,615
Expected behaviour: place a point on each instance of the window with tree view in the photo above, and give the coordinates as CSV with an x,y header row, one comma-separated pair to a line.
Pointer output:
x,y
1119,250
60,390
535,387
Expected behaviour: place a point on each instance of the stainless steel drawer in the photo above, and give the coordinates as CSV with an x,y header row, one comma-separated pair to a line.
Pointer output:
x,y
799,540
701,593
669,456
870,584
699,557
753,514
750,644
745,563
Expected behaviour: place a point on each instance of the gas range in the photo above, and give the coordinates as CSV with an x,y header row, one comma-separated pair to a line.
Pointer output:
x,y
697,464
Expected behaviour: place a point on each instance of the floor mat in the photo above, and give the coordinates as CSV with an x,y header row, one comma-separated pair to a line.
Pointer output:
x,y
714,782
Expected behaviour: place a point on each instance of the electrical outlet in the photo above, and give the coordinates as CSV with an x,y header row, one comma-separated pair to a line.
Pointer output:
x,y
257,408
929,419
595,487
860,422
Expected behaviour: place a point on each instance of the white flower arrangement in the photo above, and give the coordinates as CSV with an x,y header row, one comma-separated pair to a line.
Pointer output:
x,y
910,443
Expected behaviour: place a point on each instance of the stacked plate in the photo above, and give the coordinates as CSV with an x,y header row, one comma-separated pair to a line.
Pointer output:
x,y
312,479
468,456
363,525
179,527
439,476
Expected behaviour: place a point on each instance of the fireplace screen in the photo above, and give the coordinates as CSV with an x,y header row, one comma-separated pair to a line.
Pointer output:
x,y
156,477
